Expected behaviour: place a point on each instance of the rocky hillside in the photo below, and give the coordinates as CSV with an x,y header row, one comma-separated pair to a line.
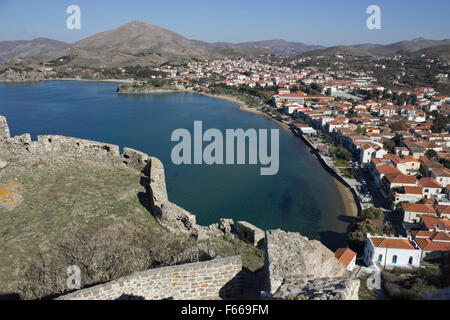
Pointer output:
x,y
281,47
130,44
338,50
25,49
402,46
298,268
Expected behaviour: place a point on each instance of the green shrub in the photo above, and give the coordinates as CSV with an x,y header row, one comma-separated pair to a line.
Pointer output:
x,y
372,213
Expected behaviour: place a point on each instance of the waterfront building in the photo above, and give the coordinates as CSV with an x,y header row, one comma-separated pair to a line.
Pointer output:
x,y
388,252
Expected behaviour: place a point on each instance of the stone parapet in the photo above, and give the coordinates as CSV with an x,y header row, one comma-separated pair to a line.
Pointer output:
x,y
290,255
195,281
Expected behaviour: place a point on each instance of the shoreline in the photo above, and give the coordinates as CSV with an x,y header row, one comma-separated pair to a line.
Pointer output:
x,y
66,79
347,199
243,107
345,193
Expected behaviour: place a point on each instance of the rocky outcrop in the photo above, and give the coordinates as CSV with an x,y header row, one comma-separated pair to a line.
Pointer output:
x,y
318,289
4,129
3,164
226,226
157,182
136,159
175,218
10,194
139,90
12,75
289,255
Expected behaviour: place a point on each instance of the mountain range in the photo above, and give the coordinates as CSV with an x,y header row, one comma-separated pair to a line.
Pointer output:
x,y
26,49
146,44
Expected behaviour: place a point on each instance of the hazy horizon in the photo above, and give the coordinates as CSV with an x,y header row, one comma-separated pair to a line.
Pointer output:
x,y
323,23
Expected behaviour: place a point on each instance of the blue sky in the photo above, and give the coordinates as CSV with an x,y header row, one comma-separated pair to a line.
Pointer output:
x,y
325,22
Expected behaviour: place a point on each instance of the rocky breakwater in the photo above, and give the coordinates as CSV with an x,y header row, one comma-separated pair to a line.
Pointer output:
x,y
298,268
137,88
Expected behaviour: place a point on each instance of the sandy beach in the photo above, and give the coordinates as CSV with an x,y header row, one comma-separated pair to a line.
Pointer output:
x,y
243,106
346,195
347,199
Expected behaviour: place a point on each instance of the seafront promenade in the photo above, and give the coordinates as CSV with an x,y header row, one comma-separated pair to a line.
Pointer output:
x,y
348,188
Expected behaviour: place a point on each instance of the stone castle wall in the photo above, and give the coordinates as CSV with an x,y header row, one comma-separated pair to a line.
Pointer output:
x,y
294,267
211,279
298,268
21,149
4,129
249,233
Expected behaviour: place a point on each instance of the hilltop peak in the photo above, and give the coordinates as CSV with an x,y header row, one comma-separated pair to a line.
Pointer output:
x,y
419,39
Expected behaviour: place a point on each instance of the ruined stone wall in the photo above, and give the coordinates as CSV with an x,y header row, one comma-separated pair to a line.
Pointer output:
x,y
298,268
4,129
158,182
211,279
48,148
250,234
76,148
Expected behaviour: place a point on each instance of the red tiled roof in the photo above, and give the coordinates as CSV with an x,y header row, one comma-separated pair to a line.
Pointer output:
x,y
431,222
387,168
413,190
400,178
418,207
345,255
392,243
429,183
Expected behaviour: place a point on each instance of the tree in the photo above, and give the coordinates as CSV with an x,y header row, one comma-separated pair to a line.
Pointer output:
x,y
372,213
440,123
401,125
446,163
431,154
361,130
341,153
389,145
356,239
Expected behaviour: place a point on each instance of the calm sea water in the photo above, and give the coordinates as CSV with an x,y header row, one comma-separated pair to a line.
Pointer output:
x,y
302,197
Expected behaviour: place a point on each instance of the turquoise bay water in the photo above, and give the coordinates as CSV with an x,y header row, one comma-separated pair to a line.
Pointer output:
x,y
302,197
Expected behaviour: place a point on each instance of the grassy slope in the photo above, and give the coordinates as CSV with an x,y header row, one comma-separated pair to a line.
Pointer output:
x,y
95,196
55,199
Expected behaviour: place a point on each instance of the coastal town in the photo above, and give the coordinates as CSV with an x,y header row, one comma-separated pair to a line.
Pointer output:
x,y
389,147
226,160
379,129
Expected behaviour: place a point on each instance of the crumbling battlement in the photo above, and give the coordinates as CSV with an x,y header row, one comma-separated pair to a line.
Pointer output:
x,y
79,149
22,150
202,280
4,129
298,268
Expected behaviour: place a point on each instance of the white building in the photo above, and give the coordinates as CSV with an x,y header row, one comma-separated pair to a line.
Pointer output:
x,y
389,252
290,108
369,151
